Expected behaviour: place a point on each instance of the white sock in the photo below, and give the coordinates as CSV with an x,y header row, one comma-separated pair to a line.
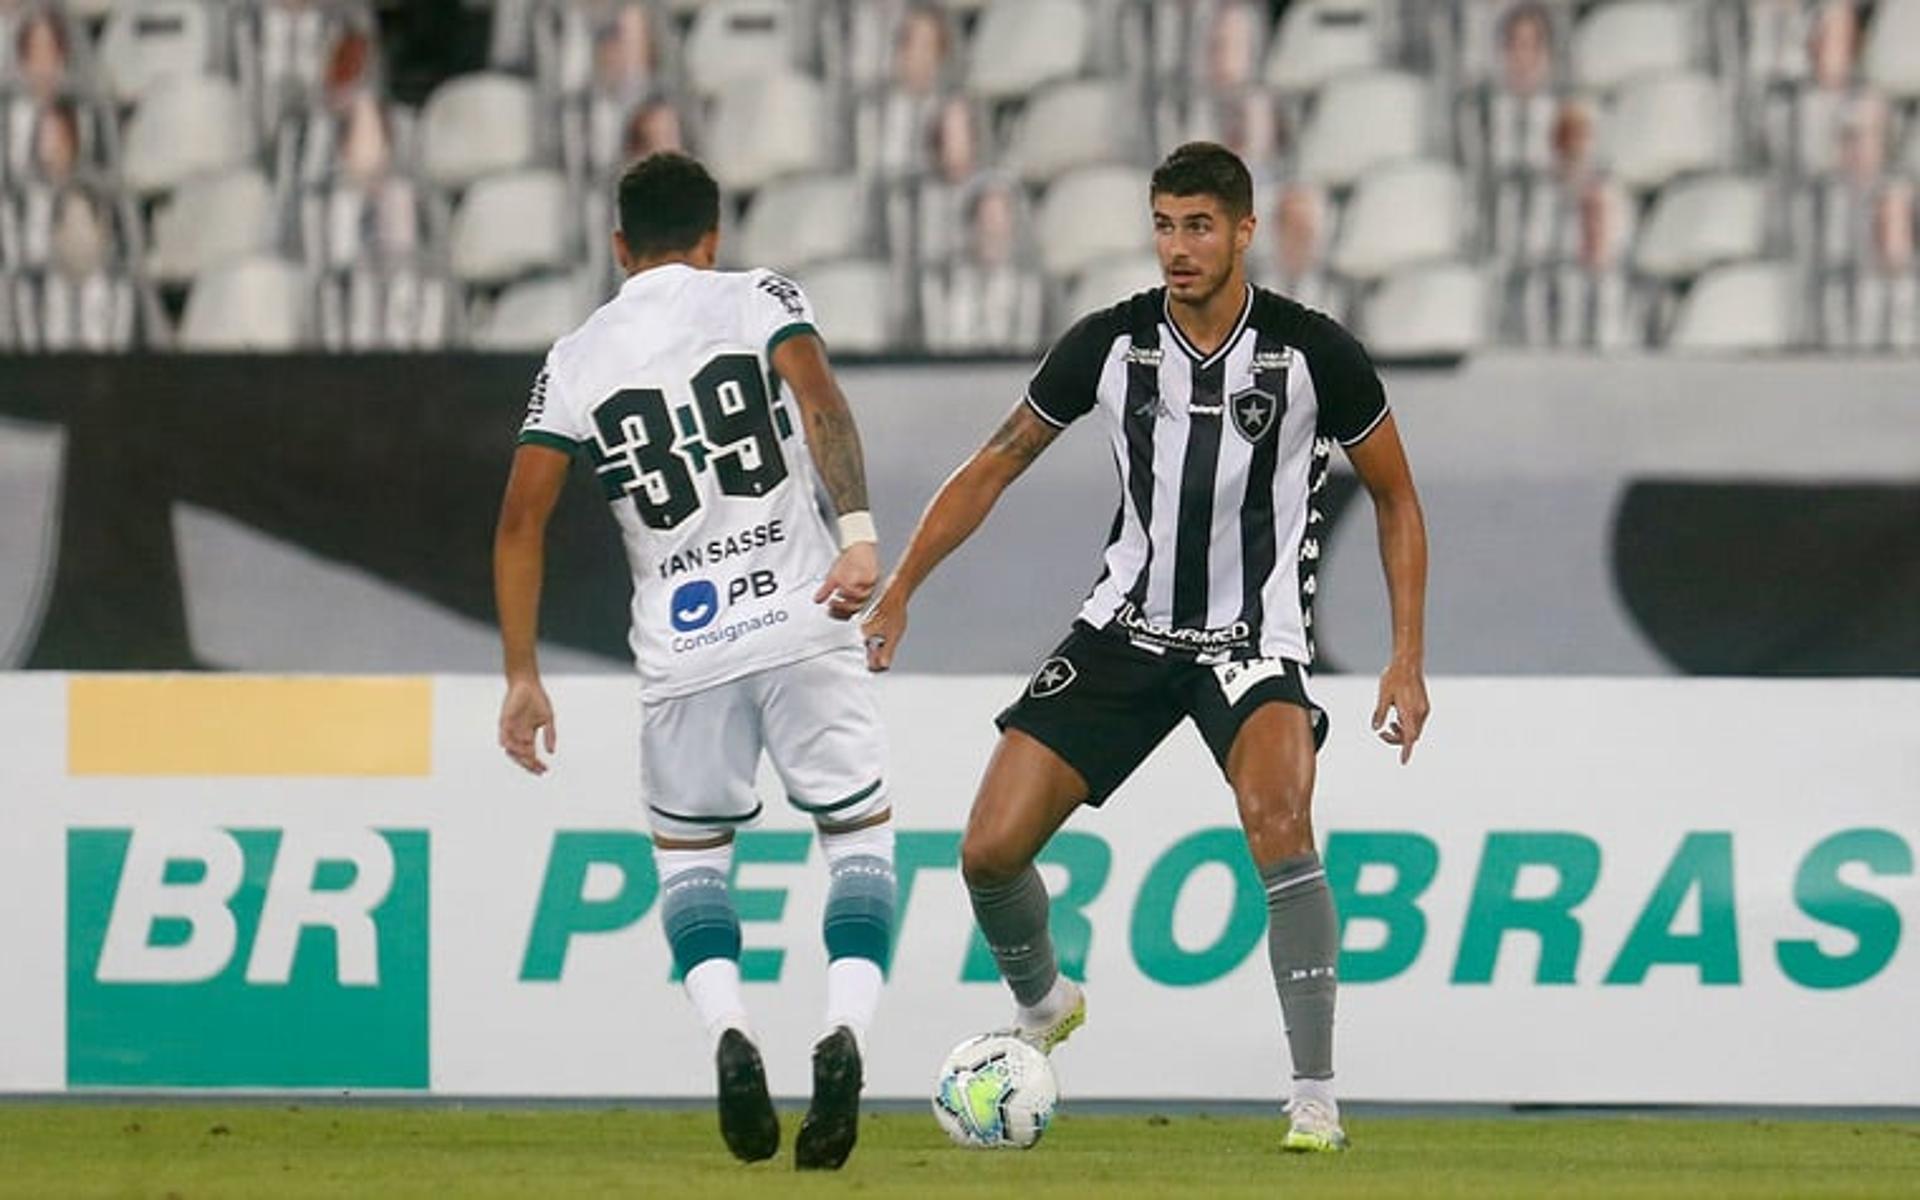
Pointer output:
x,y
1052,1006
1317,1089
714,988
853,993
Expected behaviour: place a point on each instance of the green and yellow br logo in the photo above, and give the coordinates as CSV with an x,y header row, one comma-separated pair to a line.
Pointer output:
x,y
247,958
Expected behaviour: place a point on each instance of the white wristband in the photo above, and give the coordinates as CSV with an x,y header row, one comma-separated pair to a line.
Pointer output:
x,y
857,527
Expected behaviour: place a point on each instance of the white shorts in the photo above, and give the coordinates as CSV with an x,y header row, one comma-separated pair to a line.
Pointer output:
x,y
817,721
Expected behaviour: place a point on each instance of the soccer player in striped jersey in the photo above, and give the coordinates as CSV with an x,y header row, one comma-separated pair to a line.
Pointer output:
x,y
1222,402
743,596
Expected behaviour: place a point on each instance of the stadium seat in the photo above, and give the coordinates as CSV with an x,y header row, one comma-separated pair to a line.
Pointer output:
x,y
1891,58
534,313
1319,39
147,41
475,125
733,40
1740,307
255,303
766,127
1076,124
1091,214
1021,44
853,299
1664,125
184,126
1399,215
508,225
1440,308
808,219
210,219
1112,281
1698,223
1617,41
1361,121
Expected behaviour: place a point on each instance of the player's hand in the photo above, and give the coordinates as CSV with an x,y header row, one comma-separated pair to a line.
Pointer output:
x,y
883,629
1401,712
523,714
849,583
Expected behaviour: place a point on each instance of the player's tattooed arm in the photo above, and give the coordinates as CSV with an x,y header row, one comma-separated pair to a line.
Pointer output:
x,y
1020,439
831,434
837,454
958,508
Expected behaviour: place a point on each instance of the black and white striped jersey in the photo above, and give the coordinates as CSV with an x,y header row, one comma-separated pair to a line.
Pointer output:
x,y
1220,455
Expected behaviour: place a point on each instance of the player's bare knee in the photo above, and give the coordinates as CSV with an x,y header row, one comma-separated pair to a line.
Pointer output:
x,y
1278,822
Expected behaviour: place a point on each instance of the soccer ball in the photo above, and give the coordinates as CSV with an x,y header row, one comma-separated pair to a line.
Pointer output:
x,y
995,1093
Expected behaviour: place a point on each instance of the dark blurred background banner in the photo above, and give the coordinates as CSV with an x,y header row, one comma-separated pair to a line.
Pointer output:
x,y
335,514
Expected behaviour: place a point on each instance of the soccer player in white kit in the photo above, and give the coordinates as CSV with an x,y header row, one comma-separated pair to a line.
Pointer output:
x,y
742,594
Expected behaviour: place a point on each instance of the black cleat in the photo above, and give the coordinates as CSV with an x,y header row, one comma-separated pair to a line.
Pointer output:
x,y
747,1121
833,1119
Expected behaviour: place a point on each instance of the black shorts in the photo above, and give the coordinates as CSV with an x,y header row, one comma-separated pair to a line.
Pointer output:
x,y
1102,703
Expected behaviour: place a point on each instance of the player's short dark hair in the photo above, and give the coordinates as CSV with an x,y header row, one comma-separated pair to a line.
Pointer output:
x,y
668,202
1206,169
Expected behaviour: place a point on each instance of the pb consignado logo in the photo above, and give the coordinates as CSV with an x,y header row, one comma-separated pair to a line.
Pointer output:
x,y
247,957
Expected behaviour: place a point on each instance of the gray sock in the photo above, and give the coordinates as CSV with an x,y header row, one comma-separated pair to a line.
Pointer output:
x,y
1303,944
1013,918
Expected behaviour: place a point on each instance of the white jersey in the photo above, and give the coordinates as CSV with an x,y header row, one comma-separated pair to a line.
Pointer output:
x,y
668,391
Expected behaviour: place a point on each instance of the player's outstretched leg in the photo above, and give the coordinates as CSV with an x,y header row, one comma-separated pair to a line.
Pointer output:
x,y
858,928
1027,793
1271,767
704,932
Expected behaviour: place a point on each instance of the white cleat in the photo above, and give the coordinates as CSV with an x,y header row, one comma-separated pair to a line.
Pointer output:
x,y
1043,1033
1314,1127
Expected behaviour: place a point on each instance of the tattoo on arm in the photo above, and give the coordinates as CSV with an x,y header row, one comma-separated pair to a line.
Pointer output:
x,y
835,443
1020,438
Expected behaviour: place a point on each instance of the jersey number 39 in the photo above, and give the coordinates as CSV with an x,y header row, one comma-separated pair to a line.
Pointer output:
x,y
645,451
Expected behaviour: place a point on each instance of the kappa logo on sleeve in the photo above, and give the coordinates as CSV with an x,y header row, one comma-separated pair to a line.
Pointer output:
x,y
536,401
786,291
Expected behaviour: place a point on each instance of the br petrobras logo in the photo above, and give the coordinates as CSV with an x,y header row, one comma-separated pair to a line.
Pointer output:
x,y
210,957
1054,676
695,604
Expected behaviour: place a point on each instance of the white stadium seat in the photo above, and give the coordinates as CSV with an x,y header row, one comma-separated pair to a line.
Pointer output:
x,y
1075,124
1319,39
256,303
806,219
1361,121
508,225
1091,214
1021,44
184,126
1111,281
1738,308
534,313
1617,41
1400,215
765,127
1440,308
739,39
1665,125
475,125
854,301
1698,223
1891,59
209,219
147,41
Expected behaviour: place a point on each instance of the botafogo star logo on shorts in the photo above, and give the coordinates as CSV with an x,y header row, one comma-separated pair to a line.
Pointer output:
x,y
1053,677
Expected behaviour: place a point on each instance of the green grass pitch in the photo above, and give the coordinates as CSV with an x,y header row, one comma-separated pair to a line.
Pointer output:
x,y
196,1150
